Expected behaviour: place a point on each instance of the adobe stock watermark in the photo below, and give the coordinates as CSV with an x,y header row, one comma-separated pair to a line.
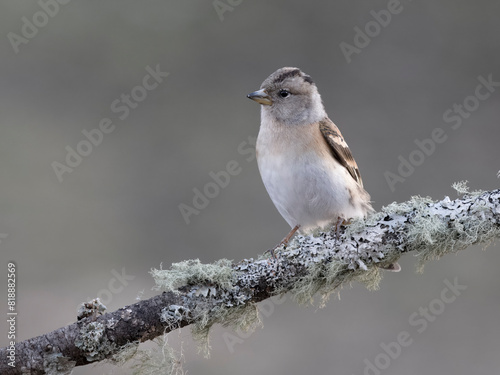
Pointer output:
x,y
115,286
121,107
223,6
32,25
454,118
217,181
372,29
11,312
265,308
419,321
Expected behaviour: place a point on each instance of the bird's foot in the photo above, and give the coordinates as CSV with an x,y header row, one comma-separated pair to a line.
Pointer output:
x,y
283,242
338,224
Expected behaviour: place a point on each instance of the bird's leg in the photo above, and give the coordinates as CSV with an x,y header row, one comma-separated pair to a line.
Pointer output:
x,y
290,234
340,221
284,241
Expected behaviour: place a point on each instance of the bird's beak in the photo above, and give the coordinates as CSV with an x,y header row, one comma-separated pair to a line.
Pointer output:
x,y
261,97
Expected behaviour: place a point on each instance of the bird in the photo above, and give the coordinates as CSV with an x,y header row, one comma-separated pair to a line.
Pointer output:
x,y
305,163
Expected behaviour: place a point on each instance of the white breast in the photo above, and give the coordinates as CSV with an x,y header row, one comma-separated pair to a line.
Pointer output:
x,y
306,184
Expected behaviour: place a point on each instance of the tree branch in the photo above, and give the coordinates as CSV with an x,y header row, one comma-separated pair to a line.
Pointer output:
x,y
202,295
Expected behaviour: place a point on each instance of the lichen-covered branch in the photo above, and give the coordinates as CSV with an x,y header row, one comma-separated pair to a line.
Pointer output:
x,y
201,295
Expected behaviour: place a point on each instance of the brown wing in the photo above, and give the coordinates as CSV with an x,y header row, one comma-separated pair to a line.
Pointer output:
x,y
340,149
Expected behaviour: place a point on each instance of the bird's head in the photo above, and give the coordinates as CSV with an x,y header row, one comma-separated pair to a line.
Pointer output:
x,y
290,96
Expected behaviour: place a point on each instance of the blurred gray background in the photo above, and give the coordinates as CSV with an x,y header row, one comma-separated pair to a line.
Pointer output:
x,y
117,211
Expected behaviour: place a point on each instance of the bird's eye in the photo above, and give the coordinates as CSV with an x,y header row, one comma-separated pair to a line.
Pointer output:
x,y
284,93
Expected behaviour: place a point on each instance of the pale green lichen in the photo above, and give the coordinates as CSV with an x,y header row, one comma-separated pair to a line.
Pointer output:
x,y
57,364
426,229
192,272
125,353
452,237
147,361
243,318
161,360
93,307
415,204
357,225
461,187
326,279
94,343
431,236
173,315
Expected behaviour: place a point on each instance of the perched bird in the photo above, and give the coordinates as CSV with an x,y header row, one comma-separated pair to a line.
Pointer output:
x,y
305,164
